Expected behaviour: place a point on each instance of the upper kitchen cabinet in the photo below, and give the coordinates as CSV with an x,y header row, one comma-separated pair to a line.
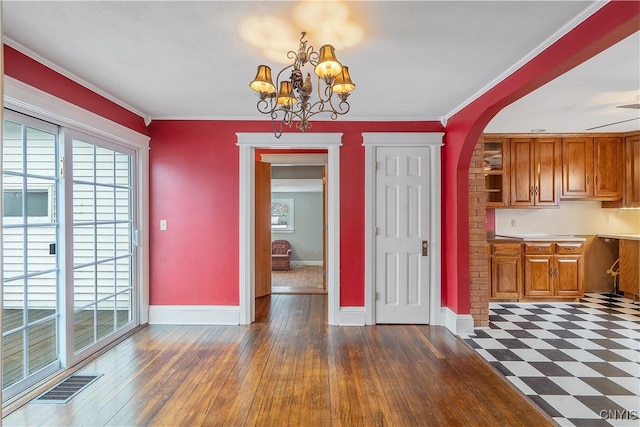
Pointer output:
x,y
631,184
534,162
592,168
496,163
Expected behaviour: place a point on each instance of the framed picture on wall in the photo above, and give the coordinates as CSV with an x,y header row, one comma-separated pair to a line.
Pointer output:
x,y
282,215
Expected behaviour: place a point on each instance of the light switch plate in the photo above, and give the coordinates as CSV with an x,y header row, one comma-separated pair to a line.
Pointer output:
x,y
163,225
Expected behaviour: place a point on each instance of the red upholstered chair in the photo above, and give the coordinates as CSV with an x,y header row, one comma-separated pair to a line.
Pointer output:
x,y
280,255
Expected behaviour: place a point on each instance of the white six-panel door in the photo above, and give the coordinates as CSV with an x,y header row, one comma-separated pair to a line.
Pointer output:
x,y
402,228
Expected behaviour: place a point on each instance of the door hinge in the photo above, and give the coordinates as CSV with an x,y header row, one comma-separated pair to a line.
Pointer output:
x,y
376,231
61,167
377,296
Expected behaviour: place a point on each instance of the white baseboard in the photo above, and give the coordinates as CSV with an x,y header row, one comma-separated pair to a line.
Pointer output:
x,y
194,315
352,316
302,263
458,324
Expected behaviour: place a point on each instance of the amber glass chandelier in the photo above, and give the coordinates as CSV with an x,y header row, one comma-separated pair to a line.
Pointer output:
x,y
293,101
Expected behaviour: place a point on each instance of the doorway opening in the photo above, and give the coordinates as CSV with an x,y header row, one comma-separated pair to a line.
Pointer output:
x,y
302,144
298,226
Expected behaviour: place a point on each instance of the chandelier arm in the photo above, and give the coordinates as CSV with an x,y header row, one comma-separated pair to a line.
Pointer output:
x,y
280,73
265,106
321,109
343,107
312,56
319,89
287,119
295,92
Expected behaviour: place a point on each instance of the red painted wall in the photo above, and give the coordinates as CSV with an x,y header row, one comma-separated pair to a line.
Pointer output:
x,y
21,67
491,219
194,186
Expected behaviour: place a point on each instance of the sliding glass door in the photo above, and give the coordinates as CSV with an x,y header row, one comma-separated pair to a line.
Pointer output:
x,y
68,235
30,315
102,241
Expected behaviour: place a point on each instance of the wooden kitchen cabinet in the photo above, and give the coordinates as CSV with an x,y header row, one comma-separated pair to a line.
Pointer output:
x,y
629,268
631,182
533,166
553,270
569,269
538,269
496,165
506,271
632,169
592,168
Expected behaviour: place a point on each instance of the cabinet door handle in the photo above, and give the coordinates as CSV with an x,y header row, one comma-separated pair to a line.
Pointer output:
x,y
536,190
587,179
556,273
550,272
531,190
596,180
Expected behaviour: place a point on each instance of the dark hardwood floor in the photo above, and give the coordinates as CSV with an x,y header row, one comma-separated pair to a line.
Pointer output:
x,y
290,368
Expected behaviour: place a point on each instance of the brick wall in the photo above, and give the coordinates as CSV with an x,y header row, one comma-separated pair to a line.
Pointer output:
x,y
478,263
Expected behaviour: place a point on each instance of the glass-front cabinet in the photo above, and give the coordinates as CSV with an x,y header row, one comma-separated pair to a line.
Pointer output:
x,y
495,172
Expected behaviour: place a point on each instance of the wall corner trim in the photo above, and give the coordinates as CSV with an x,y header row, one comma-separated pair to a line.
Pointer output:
x,y
458,324
352,316
194,315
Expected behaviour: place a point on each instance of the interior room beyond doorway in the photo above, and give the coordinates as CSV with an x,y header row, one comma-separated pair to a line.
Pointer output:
x,y
298,216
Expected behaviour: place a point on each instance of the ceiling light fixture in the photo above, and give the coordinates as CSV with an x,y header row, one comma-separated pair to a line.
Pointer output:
x,y
293,100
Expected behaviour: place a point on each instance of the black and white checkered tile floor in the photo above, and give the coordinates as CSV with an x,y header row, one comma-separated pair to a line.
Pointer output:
x,y
580,362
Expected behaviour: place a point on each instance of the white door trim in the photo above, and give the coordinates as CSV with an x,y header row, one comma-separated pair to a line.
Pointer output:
x,y
29,100
248,142
372,140
315,159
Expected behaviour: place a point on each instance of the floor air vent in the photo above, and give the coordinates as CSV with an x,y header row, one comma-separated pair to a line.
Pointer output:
x,y
67,389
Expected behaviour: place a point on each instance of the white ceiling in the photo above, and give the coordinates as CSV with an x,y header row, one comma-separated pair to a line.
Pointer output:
x,y
413,60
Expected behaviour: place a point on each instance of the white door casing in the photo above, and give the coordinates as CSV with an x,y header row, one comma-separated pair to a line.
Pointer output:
x,y
374,142
402,226
248,142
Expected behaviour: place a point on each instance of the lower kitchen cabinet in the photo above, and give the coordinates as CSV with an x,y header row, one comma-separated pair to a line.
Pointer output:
x,y
538,274
629,271
506,271
553,270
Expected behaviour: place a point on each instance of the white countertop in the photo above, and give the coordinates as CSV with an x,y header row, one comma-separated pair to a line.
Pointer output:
x,y
620,236
547,237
